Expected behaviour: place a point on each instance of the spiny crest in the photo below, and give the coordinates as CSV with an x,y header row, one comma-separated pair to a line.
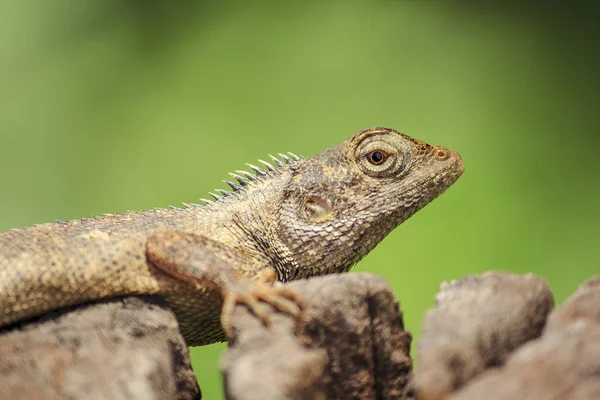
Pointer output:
x,y
245,178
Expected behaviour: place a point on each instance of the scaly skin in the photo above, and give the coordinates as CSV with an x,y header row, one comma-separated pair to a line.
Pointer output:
x,y
297,219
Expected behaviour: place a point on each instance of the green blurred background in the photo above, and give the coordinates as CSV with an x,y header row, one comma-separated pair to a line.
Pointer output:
x,y
109,106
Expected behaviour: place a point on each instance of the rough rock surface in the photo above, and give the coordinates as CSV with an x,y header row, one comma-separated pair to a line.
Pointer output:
x,y
120,349
481,341
562,364
352,345
478,321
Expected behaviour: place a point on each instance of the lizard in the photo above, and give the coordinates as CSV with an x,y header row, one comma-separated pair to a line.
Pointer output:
x,y
291,218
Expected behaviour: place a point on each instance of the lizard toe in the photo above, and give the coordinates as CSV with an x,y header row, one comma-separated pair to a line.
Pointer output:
x,y
262,301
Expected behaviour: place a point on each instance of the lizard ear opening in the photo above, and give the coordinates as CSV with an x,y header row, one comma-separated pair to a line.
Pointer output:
x,y
316,208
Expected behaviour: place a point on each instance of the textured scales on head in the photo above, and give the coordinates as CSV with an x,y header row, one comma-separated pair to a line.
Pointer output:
x,y
342,202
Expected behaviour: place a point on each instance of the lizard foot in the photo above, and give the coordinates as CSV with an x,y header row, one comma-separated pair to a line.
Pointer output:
x,y
260,298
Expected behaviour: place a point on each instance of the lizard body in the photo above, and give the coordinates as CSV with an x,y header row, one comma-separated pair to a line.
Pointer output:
x,y
294,219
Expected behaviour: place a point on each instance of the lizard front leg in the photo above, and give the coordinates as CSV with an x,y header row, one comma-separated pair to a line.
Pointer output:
x,y
210,265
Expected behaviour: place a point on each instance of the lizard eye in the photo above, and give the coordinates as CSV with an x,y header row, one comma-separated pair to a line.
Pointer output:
x,y
383,157
377,157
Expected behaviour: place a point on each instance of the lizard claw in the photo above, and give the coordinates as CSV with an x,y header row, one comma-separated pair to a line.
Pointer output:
x,y
260,299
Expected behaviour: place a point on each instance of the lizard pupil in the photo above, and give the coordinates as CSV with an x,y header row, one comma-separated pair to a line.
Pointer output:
x,y
377,157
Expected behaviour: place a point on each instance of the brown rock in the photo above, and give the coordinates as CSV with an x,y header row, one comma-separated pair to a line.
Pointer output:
x,y
563,364
353,346
119,349
478,321
584,304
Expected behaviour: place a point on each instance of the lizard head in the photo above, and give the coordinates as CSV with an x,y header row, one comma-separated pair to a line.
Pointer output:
x,y
341,203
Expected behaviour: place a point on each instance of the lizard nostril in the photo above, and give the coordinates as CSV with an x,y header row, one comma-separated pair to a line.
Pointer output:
x,y
442,154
